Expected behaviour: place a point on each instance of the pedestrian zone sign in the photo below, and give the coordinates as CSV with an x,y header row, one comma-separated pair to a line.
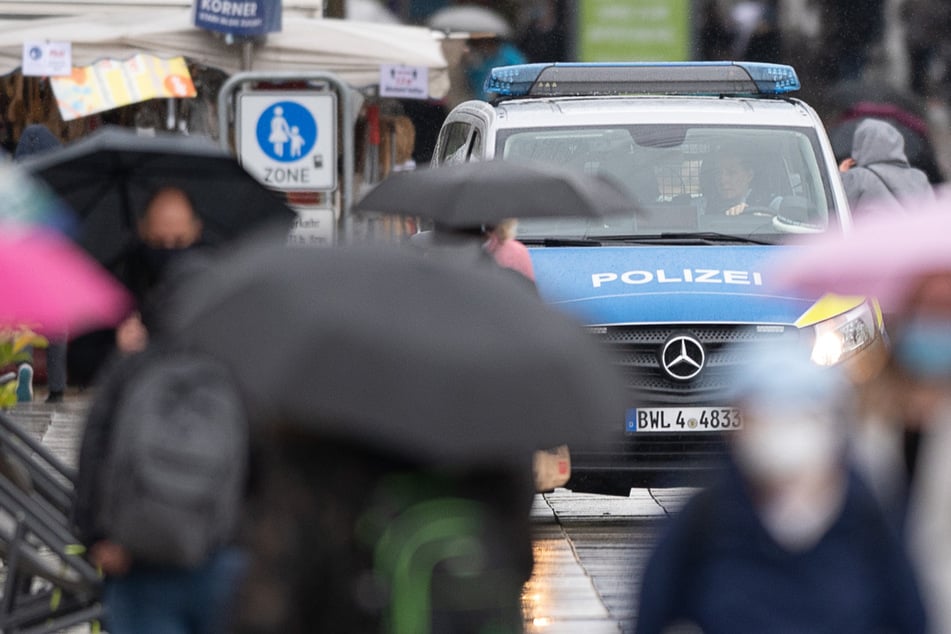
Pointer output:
x,y
288,140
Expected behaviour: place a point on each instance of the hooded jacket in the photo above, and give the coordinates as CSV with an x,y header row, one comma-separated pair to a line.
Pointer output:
x,y
882,175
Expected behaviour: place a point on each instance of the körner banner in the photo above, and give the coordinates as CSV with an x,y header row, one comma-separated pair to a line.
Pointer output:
x,y
238,17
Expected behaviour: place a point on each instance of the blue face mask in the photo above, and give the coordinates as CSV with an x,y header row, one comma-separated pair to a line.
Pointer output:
x,y
924,349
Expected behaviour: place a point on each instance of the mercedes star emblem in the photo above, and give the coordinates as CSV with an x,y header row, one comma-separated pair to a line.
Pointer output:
x,y
682,357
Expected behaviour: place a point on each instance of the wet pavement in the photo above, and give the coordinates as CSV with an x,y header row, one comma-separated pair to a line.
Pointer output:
x,y
589,554
589,549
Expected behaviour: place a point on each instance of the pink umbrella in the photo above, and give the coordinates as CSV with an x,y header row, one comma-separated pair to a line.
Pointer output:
x,y
882,257
49,284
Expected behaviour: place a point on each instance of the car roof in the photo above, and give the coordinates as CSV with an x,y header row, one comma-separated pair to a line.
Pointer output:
x,y
660,109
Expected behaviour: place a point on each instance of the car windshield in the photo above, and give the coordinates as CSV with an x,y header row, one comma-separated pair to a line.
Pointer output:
x,y
712,182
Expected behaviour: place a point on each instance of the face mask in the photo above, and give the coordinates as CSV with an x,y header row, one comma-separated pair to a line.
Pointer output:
x,y
157,259
798,515
924,349
780,447
796,457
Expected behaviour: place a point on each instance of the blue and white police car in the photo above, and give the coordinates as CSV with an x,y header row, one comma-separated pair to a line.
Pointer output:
x,y
725,167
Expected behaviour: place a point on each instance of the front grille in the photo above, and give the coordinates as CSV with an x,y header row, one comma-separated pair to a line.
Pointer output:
x,y
636,349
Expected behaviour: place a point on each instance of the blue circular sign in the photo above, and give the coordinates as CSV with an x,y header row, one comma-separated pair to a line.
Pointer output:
x,y
286,131
35,53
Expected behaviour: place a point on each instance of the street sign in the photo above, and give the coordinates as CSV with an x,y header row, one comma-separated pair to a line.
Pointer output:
x,y
238,17
404,82
636,30
313,227
47,59
288,140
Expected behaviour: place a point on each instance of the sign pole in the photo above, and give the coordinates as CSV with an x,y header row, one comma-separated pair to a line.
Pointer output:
x,y
247,54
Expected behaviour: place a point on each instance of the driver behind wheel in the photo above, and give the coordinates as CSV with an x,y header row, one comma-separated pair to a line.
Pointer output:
x,y
735,184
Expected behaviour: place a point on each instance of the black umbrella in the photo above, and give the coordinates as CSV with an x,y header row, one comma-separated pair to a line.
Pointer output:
x,y
486,192
108,176
435,361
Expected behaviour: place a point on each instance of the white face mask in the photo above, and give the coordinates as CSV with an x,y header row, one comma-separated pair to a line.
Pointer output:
x,y
795,459
777,447
799,514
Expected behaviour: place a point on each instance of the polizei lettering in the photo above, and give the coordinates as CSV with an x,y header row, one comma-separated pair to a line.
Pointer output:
x,y
682,276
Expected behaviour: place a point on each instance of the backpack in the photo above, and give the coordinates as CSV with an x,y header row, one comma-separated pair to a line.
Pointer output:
x,y
175,471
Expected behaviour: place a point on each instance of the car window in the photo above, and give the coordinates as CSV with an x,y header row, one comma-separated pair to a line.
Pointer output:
x,y
678,177
454,148
475,146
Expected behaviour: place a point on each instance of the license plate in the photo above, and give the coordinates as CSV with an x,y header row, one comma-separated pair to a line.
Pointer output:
x,y
682,419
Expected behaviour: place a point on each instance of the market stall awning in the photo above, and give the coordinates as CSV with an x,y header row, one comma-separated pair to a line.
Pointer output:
x,y
109,84
353,50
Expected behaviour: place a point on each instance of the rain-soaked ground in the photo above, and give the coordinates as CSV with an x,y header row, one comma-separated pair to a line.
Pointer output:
x,y
589,549
589,553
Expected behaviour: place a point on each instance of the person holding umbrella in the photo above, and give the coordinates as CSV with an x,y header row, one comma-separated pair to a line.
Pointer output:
x,y
395,410
168,231
920,376
159,580
110,177
910,275
509,252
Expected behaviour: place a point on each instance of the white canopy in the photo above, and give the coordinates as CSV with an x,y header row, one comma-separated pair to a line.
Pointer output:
x,y
354,50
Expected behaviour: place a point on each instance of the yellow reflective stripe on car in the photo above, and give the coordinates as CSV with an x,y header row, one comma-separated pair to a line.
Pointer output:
x,y
879,314
828,306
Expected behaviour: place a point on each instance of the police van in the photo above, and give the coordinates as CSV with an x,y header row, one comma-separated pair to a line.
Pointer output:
x,y
725,168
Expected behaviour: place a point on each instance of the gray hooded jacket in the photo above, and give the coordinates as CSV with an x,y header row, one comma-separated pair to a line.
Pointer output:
x,y
882,175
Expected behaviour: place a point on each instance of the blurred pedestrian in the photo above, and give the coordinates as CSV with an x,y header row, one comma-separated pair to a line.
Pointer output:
x,y
755,32
851,31
790,529
878,172
161,478
168,231
926,22
507,250
851,102
36,139
542,38
393,545
484,54
922,355
394,479
715,37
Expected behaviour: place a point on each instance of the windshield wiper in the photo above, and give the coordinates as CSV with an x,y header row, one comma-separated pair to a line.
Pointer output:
x,y
561,242
711,237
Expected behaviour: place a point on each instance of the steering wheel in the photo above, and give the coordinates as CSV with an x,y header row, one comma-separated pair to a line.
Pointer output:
x,y
756,210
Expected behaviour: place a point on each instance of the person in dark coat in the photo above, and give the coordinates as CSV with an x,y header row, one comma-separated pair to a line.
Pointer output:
x,y
146,597
878,172
168,231
789,539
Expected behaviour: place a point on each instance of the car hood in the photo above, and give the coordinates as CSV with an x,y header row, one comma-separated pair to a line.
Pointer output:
x,y
665,284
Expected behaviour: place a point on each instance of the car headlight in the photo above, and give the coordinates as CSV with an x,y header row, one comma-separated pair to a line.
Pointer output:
x,y
840,337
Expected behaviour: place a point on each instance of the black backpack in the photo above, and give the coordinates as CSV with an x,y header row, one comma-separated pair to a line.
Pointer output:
x,y
175,471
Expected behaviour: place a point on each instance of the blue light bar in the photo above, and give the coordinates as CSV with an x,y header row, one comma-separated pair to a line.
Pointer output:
x,y
668,78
